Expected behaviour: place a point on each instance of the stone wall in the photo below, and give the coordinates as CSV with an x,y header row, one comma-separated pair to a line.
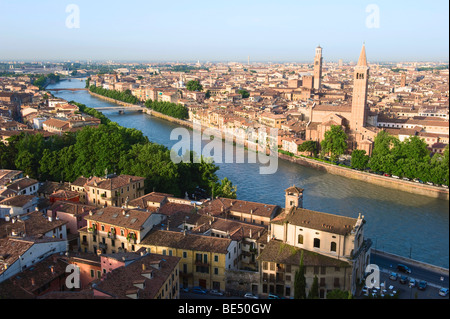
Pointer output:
x,y
240,282
388,182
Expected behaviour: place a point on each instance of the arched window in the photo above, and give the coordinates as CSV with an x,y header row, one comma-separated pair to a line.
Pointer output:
x,y
333,246
316,243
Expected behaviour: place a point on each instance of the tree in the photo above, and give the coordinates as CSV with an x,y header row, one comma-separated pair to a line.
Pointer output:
x,y
245,94
225,189
300,281
339,294
194,85
314,291
335,142
359,159
308,146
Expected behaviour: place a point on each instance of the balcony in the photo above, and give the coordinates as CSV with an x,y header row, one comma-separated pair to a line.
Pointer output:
x,y
201,263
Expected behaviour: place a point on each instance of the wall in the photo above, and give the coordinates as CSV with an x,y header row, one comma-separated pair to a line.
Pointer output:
x,y
388,182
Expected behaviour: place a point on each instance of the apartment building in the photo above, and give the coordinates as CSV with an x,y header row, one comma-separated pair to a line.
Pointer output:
x,y
113,190
204,259
114,229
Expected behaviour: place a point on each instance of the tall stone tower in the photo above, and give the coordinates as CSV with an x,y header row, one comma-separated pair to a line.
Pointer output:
x,y
403,80
360,86
318,61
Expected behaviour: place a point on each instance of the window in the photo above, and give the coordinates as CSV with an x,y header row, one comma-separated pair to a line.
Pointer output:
x,y
333,246
216,258
184,254
92,273
316,243
300,239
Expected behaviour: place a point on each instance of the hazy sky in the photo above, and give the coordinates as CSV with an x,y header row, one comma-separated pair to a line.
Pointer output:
x,y
225,30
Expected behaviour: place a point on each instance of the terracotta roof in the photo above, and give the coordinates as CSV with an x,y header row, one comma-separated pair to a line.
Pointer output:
x,y
186,241
113,182
143,201
320,221
71,208
121,281
17,201
120,217
221,205
295,189
278,252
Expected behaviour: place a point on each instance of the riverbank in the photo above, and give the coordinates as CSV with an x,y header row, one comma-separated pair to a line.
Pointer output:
x,y
386,182
383,181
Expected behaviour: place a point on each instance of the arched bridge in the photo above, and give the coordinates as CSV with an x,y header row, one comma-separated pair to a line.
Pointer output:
x,y
121,109
57,90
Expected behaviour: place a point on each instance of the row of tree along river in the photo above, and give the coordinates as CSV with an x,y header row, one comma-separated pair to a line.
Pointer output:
x,y
398,222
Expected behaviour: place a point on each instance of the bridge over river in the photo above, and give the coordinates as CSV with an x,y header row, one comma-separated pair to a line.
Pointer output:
x,y
121,109
57,90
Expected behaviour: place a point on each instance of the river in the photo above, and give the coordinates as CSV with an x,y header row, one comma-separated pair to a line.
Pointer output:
x,y
401,223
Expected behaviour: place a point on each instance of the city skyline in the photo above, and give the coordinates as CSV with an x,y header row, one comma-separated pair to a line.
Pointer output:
x,y
231,31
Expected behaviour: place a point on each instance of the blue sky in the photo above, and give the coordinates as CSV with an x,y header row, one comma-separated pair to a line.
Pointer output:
x,y
282,30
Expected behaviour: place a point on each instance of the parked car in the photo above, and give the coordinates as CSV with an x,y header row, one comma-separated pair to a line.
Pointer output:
x,y
422,285
396,177
387,175
198,290
403,269
215,292
249,295
444,186
412,283
403,279
443,292
406,179
185,289
273,297
393,276
430,183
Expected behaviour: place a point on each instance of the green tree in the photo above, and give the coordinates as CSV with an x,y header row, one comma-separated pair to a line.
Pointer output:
x,y
308,146
335,142
359,159
225,189
314,291
339,294
300,281
194,85
245,94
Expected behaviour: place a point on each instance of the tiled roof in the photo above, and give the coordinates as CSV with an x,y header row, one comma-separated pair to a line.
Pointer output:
x,y
320,221
121,281
113,182
278,252
120,217
180,240
218,206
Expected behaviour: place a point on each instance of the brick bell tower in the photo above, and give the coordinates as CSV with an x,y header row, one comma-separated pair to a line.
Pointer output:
x,y
360,87
318,62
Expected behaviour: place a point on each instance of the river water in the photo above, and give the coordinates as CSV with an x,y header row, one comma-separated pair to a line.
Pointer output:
x,y
397,222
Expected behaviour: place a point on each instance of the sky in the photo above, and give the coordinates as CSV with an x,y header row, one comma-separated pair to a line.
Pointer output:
x,y
223,30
